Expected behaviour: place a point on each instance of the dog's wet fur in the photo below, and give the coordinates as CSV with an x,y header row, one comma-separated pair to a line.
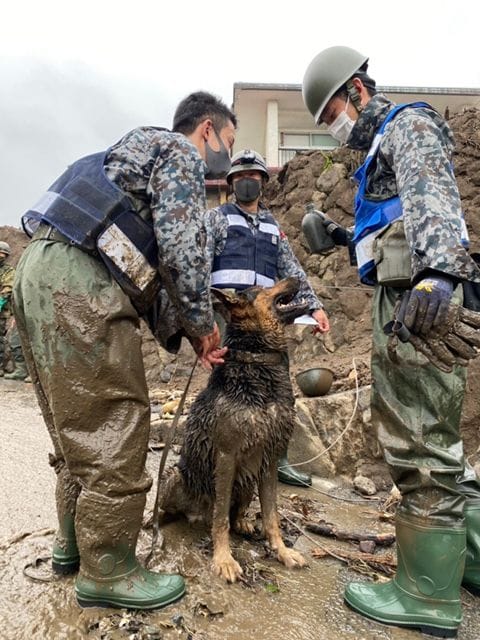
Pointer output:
x,y
239,425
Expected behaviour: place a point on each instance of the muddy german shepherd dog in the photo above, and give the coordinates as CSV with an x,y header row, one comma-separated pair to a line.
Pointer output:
x,y
239,425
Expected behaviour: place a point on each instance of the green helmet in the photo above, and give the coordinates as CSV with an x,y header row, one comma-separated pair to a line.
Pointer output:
x,y
326,73
5,248
247,160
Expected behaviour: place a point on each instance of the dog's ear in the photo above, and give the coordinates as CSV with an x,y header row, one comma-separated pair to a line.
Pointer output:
x,y
226,296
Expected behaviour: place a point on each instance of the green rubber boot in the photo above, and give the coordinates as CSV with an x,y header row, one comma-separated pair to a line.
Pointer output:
x,y
471,577
19,373
65,555
289,475
110,575
425,592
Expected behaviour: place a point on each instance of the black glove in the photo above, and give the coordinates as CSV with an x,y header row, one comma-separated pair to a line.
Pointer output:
x,y
340,235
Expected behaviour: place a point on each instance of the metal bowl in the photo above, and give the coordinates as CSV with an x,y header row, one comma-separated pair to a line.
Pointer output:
x,y
315,382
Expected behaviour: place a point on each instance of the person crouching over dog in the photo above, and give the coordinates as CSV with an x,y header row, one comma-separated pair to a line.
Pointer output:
x,y
248,248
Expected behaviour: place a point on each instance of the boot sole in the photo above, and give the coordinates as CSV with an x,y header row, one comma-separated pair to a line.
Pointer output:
x,y
437,632
65,569
86,602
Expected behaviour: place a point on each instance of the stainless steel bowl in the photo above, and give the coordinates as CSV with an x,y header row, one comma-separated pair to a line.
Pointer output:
x,y
315,382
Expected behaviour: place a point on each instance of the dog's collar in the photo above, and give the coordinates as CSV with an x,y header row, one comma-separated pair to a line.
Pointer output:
x,y
269,357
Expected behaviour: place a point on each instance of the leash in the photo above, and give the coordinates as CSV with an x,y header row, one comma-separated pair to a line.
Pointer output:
x,y
166,449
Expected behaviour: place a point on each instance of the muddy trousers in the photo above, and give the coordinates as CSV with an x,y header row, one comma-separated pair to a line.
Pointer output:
x,y
81,339
3,339
416,410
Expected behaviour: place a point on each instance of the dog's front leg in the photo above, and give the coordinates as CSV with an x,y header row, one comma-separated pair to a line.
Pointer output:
x,y
267,489
223,562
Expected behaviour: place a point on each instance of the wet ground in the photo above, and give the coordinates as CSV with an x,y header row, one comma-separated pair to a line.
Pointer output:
x,y
273,603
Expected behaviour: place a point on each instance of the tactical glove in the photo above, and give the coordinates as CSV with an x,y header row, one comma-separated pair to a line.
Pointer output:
x,y
340,235
3,302
454,342
428,305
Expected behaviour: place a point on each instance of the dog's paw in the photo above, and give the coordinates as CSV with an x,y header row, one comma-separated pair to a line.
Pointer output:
x,y
291,559
244,527
227,568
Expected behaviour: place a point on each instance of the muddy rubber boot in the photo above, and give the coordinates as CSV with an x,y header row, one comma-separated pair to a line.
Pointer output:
x,y
65,555
19,373
471,576
425,592
110,575
289,475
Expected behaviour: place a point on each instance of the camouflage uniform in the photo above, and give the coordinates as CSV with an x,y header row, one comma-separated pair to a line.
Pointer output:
x,y
287,264
82,343
415,407
7,274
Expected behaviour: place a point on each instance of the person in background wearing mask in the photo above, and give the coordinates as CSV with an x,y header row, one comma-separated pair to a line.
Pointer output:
x,y
248,248
7,274
409,236
113,230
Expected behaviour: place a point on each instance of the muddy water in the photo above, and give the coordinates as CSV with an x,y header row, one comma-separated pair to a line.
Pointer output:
x,y
303,605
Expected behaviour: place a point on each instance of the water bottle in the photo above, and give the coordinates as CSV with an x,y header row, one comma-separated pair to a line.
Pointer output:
x,y
314,231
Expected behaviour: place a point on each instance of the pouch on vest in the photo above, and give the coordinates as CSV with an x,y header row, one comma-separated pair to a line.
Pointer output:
x,y
392,256
133,265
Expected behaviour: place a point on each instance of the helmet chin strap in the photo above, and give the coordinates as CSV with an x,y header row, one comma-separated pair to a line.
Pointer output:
x,y
354,96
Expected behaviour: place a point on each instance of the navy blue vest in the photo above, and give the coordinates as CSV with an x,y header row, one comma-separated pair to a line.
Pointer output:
x,y
250,256
99,218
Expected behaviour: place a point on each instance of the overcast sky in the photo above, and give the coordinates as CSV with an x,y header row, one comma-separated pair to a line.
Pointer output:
x,y
76,76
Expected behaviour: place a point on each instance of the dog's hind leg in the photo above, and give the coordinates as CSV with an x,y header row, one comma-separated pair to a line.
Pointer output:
x,y
238,515
267,488
224,563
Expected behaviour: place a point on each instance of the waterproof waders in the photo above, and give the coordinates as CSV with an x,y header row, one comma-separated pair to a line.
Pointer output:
x,y
98,420
425,592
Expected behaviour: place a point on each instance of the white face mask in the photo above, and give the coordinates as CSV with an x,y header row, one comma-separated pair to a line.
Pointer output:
x,y
342,126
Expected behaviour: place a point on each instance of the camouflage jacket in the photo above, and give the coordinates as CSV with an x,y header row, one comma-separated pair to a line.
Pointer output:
x,y
287,264
7,274
163,174
414,161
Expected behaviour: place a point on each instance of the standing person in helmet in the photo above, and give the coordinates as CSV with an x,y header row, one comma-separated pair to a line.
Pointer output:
x,y
7,274
107,229
248,248
409,236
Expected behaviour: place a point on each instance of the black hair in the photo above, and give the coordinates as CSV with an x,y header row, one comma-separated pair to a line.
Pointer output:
x,y
198,106
368,82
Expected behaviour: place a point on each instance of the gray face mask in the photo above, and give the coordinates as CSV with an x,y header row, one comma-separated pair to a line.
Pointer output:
x,y
218,162
247,189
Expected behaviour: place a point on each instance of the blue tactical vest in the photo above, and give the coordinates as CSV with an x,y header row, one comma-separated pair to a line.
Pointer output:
x,y
250,256
372,216
98,217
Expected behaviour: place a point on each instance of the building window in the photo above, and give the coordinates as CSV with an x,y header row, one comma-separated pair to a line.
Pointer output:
x,y
293,142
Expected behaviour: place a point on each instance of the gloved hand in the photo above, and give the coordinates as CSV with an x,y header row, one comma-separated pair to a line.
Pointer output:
x,y
339,234
428,305
454,343
3,302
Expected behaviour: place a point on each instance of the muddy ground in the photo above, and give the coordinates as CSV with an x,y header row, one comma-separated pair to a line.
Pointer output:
x,y
273,603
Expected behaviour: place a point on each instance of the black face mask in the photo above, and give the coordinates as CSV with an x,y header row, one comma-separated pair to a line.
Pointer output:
x,y
218,162
247,189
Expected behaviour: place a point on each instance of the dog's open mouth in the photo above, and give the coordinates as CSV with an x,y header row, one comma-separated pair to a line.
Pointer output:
x,y
287,310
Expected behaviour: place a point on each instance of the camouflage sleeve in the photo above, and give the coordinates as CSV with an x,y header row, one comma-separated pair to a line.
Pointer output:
x,y
216,226
177,191
6,282
419,148
289,266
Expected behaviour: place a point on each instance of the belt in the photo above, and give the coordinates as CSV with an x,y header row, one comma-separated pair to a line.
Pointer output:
x,y
47,232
